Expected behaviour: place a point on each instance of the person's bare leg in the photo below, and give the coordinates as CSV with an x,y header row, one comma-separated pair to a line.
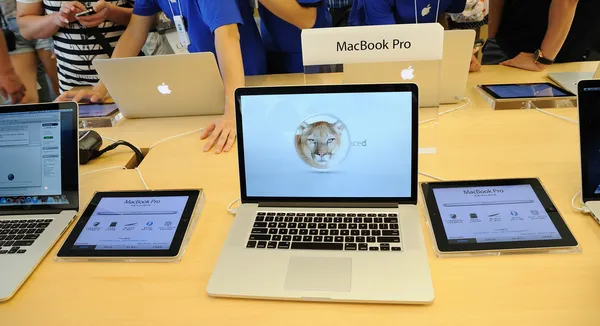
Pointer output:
x,y
25,65
51,68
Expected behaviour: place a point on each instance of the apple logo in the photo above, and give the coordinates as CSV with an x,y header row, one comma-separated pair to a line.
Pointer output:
x,y
164,89
408,73
426,10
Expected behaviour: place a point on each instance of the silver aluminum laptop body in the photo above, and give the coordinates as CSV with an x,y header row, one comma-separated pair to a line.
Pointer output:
x,y
295,270
439,83
569,80
39,160
164,86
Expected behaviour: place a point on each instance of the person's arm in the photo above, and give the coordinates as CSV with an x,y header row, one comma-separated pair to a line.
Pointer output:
x,y
10,84
229,55
495,17
34,25
292,12
105,11
130,44
562,13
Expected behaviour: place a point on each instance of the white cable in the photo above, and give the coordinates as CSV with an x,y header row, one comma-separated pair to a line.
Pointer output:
x,y
583,208
466,105
231,210
556,115
530,105
84,135
142,178
176,136
431,176
105,169
111,139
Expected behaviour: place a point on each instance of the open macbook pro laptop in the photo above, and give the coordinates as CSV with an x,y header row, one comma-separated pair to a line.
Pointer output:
x,y
437,85
589,132
165,85
569,80
38,185
329,197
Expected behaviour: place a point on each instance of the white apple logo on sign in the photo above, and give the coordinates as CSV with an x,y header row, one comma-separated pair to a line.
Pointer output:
x,y
408,73
164,89
426,10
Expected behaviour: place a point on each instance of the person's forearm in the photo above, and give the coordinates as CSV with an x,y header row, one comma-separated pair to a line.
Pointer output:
x,y
292,12
119,15
229,54
131,42
5,64
560,19
34,27
495,17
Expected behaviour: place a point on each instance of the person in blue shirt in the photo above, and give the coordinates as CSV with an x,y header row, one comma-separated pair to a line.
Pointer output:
x,y
224,27
282,22
388,12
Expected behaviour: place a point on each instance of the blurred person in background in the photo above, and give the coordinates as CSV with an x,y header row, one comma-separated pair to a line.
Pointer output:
x,y
32,60
11,86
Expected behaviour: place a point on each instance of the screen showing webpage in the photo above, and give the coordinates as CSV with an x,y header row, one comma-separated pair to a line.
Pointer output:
x,y
130,223
524,91
30,158
328,145
493,214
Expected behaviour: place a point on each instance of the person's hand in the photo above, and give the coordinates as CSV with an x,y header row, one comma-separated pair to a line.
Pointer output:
x,y
66,13
101,9
524,61
221,134
83,95
475,64
11,86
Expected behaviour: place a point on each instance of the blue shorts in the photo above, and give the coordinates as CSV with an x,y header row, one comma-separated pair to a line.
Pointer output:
x,y
25,46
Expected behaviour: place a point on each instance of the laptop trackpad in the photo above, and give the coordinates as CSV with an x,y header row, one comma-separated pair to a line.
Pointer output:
x,y
319,274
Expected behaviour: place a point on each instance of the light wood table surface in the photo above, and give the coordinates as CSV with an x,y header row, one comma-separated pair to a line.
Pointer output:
x,y
472,143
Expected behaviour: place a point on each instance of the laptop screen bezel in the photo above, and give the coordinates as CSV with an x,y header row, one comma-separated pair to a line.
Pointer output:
x,y
587,193
69,163
329,89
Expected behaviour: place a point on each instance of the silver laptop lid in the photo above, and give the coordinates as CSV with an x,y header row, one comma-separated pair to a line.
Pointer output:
x,y
589,134
351,144
39,158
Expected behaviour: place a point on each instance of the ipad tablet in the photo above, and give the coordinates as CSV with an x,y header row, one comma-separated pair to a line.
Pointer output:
x,y
530,91
92,110
494,216
133,224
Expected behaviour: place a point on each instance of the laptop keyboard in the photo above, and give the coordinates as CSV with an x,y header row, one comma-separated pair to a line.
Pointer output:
x,y
326,231
17,235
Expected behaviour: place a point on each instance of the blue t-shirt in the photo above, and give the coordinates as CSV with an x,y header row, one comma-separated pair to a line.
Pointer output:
x,y
203,17
283,40
389,12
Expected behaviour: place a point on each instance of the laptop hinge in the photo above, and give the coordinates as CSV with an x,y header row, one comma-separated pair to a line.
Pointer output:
x,y
31,212
328,205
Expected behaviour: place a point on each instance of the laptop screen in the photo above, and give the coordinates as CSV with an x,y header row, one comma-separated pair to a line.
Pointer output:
x,y
37,156
355,145
589,125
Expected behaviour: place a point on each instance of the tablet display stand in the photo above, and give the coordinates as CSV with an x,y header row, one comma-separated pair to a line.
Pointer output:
x,y
189,232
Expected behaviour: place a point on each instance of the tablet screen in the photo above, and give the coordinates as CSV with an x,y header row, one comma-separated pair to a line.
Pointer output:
x,y
96,110
493,214
132,223
538,90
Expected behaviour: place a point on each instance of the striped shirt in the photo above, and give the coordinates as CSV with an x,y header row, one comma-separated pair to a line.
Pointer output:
x,y
75,49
